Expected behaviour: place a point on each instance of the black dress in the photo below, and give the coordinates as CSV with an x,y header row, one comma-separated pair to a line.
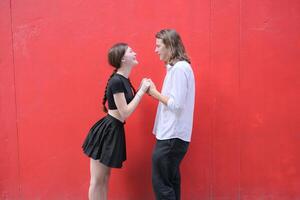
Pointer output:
x,y
106,139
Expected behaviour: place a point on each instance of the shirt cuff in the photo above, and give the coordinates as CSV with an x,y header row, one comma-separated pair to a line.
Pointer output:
x,y
171,104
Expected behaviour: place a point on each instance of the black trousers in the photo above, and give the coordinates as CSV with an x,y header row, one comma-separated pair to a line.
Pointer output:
x,y
166,158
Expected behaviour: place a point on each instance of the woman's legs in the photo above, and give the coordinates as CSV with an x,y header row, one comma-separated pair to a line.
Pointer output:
x,y
99,180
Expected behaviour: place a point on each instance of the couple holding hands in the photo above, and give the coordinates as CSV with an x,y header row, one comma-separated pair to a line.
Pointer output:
x,y
105,143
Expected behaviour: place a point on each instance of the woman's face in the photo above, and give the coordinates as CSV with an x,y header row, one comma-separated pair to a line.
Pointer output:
x,y
162,51
129,57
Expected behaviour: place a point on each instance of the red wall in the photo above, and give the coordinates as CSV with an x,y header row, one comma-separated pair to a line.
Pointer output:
x,y
245,56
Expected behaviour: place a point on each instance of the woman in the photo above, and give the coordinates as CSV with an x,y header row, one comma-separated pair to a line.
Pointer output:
x,y
105,143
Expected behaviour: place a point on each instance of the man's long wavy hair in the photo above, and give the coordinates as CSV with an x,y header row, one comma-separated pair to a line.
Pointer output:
x,y
173,42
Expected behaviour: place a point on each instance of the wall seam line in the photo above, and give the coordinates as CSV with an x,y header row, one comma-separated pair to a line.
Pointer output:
x,y
15,91
212,110
239,96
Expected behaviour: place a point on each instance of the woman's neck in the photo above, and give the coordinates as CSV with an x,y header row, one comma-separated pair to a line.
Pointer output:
x,y
124,71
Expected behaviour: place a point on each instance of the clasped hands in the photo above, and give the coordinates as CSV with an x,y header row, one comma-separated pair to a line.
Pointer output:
x,y
148,86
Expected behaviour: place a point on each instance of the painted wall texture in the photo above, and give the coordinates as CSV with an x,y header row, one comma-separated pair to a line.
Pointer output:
x,y
53,71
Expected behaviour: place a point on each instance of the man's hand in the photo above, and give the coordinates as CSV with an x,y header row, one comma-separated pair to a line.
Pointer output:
x,y
152,89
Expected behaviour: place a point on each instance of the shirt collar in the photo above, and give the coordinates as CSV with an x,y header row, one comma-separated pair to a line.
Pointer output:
x,y
168,66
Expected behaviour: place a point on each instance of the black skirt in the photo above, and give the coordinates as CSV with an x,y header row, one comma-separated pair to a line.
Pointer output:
x,y
106,142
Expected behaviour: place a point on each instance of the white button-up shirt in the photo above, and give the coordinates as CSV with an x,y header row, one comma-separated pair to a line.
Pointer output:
x,y
175,120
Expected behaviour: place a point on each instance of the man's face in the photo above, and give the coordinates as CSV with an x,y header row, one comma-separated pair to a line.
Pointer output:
x,y
161,50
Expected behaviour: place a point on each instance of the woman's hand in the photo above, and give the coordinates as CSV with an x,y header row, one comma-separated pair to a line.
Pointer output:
x,y
145,84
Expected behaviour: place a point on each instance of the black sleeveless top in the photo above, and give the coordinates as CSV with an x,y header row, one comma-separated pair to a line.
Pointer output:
x,y
118,84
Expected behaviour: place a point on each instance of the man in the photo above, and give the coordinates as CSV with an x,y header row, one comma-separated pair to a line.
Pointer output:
x,y
174,117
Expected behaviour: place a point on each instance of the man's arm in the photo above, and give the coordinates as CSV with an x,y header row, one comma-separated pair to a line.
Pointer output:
x,y
177,92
